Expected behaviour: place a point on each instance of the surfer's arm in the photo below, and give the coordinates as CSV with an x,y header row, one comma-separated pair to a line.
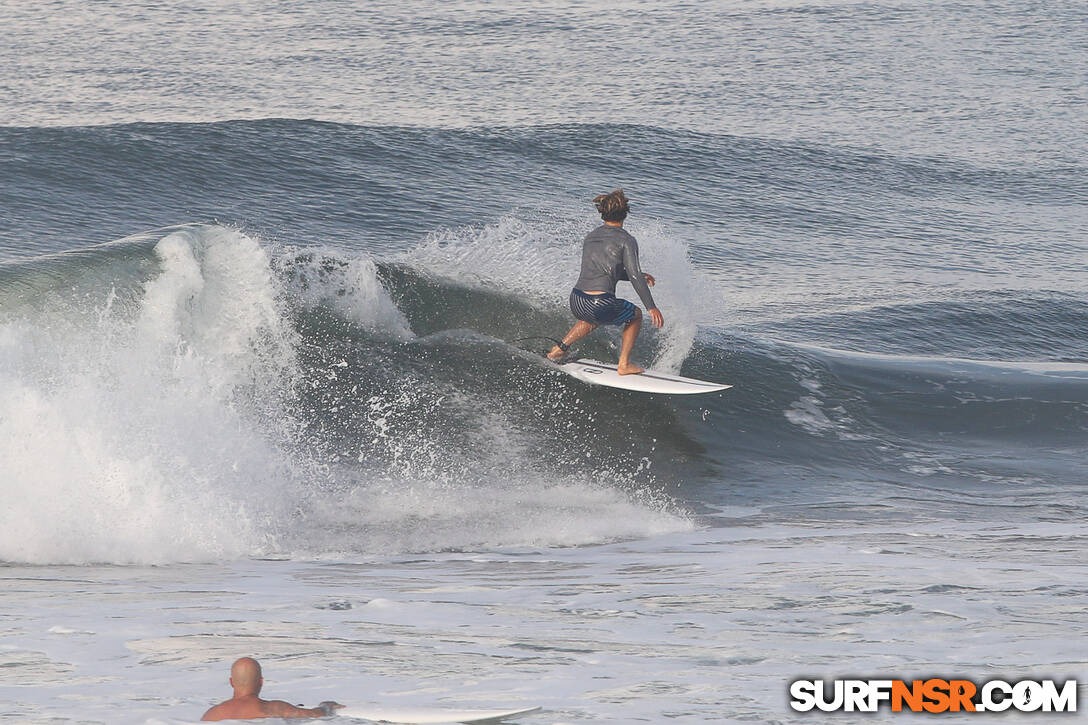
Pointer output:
x,y
279,708
635,274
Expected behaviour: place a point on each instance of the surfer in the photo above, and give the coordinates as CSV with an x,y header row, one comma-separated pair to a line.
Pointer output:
x,y
610,254
246,679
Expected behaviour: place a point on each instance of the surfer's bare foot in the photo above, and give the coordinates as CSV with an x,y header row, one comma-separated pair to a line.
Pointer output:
x,y
556,354
629,369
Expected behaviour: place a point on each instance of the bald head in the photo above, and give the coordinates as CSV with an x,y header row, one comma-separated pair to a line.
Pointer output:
x,y
245,676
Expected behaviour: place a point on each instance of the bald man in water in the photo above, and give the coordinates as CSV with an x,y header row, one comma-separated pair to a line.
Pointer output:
x,y
246,679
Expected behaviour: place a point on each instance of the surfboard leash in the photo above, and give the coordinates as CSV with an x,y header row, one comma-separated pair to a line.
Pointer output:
x,y
559,343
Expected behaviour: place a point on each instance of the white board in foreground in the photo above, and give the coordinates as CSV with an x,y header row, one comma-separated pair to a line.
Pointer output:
x,y
651,381
424,715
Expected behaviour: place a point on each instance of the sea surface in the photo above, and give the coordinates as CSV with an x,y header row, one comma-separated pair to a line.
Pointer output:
x,y
266,274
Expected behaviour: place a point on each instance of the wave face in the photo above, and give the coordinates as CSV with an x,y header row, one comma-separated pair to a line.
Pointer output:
x,y
326,363
186,395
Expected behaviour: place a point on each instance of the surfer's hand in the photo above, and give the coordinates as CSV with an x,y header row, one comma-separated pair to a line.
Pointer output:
x,y
329,706
656,318
650,281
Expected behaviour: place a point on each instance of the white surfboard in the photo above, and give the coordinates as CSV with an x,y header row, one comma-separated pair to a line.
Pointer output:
x,y
430,715
651,381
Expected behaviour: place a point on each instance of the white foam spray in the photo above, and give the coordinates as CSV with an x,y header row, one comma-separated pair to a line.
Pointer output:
x,y
347,285
127,435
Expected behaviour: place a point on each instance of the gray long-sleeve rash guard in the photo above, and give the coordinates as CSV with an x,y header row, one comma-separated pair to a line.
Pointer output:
x,y
610,254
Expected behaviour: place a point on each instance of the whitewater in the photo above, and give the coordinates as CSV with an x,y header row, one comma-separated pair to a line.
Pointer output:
x,y
265,273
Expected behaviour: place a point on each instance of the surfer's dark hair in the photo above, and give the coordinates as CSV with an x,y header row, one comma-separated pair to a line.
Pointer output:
x,y
613,206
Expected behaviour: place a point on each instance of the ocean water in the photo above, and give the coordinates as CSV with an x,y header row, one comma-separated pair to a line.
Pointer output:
x,y
263,272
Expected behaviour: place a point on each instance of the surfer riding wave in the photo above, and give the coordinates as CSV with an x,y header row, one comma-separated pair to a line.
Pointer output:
x,y
610,254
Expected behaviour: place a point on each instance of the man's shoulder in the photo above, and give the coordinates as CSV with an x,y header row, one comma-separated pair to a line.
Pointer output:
x,y
228,710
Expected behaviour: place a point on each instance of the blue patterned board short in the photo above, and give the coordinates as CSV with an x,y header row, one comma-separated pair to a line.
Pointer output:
x,y
602,309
